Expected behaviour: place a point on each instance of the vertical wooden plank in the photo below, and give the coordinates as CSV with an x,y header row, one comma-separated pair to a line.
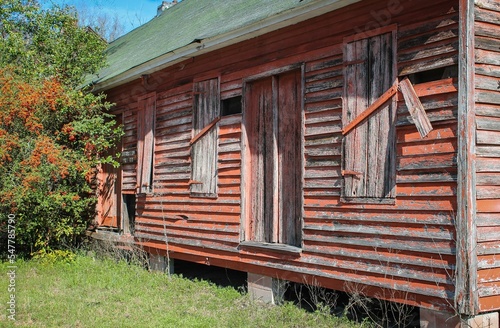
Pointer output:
x,y
258,102
392,137
272,159
466,295
246,224
381,124
290,159
376,137
356,100
212,139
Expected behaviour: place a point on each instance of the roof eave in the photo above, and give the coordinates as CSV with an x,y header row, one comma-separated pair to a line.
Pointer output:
x,y
261,27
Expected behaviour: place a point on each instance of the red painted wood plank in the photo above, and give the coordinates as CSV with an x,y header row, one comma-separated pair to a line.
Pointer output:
x,y
372,108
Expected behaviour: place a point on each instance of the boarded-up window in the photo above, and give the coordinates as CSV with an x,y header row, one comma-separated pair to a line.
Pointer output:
x,y
145,142
206,112
369,154
273,159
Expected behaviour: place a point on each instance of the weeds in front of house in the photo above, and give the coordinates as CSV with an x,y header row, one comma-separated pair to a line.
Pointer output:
x,y
89,289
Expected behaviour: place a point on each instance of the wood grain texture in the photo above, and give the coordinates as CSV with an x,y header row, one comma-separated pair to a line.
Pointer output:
x,y
206,113
368,149
273,122
415,107
145,142
407,246
486,43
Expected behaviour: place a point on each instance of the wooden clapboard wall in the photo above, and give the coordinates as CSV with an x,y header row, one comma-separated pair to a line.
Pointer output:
x,y
403,251
487,107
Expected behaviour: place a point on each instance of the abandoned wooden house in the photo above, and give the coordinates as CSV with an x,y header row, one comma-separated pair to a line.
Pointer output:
x,y
344,143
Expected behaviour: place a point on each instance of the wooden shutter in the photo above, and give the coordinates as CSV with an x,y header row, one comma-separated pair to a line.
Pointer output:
x,y
369,154
206,110
145,142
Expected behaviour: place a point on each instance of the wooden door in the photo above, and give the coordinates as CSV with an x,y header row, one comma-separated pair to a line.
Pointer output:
x,y
273,125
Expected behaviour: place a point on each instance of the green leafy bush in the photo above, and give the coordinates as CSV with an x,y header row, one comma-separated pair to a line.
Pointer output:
x,y
53,131
54,256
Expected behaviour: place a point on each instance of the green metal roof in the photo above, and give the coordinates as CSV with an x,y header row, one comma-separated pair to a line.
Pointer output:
x,y
187,22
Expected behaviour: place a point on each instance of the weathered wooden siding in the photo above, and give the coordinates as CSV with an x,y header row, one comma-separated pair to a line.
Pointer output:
x,y
406,250
129,152
487,91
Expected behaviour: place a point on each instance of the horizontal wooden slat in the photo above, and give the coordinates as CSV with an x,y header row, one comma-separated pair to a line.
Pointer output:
x,y
488,233
488,179
489,289
487,70
426,190
485,29
488,137
485,82
425,177
382,230
488,165
488,262
430,161
488,4
430,247
488,14
488,248
427,64
488,205
431,147
364,266
488,192
487,57
488,123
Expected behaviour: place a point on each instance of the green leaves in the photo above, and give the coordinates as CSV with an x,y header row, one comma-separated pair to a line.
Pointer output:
x,y
48,43
53,135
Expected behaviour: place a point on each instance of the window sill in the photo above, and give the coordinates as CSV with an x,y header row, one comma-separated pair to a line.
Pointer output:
x,y
381,201
281,248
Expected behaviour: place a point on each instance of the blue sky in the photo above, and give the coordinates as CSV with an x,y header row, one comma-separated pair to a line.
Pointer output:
x,y
132,13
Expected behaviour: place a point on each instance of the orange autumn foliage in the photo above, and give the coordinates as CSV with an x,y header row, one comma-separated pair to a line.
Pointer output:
x,y
26,102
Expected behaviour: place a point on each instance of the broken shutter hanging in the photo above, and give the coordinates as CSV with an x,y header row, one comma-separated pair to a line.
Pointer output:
x,y
206,113
145,142
415,108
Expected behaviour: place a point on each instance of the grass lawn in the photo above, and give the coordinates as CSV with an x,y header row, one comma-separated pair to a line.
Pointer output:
x,y
91,292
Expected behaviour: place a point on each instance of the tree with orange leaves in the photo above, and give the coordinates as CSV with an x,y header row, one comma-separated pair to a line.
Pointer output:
x,y
53,131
